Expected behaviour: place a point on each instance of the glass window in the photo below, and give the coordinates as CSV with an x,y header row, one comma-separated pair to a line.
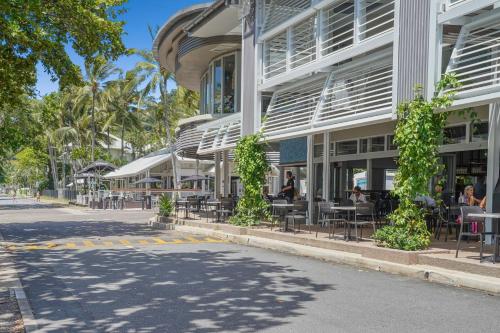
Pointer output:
x,y
207,93
454,134
318,150
389,175
363,145
377,144
479,132
347,147
229,83
217,86
391,145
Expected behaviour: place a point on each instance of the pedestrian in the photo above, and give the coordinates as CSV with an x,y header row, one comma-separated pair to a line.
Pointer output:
x,y
289,189
357,195
37,196
14,195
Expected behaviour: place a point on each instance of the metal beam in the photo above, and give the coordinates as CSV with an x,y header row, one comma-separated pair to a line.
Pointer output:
x,y
464,9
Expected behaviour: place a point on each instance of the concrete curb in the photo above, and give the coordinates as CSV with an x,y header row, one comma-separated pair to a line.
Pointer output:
x,y
156,224
423,272
16,287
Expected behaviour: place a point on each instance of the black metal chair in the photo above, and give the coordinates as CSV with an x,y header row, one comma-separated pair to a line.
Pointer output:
x,y
226,208
278,213
363,215
211,208
326,215
299,213
179,207
467,220
193,206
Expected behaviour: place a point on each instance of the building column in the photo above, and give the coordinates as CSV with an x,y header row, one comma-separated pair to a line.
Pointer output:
x,y
310,177
326,166
217,180
281,177
493,160
342,180
226,176
369,174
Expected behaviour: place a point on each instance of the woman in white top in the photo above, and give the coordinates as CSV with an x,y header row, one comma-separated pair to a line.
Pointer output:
x,y
357,196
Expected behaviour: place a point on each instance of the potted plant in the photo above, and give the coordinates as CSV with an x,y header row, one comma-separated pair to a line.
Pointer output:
x,y
165,209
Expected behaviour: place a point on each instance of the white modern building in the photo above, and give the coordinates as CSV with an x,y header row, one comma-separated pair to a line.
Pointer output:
x,y
327,75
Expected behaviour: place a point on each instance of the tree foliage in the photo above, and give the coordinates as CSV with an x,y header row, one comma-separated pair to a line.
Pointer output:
x,y
418,134
36,31
252,166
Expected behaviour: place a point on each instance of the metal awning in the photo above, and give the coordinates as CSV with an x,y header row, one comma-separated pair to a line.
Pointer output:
x,y
224,137
141,165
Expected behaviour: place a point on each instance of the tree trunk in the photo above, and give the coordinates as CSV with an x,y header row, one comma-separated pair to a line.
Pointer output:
x,y
93,124
122,136
164,93
53,164
109,142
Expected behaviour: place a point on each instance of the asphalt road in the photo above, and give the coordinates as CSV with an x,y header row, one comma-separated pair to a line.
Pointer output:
x,y
94,271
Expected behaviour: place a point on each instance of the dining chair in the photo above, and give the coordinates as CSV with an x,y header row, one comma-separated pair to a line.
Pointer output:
x,y
466,220
363,215
327,216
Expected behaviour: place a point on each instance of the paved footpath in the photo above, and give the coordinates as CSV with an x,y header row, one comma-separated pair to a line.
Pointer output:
x,y
95,271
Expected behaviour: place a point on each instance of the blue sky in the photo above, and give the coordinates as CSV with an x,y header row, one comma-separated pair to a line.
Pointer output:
x,y
140,14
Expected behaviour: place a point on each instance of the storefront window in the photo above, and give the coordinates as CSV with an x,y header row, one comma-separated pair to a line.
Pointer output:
x,y
391,145
217,86
229,64
479,132
377,144
454,134
363,145
347,147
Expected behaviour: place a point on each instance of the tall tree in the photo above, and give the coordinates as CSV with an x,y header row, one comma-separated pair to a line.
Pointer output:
x,y
35,31
97,73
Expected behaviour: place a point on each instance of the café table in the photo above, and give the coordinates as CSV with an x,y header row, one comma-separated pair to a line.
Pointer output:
x,y
347,209
184,202
495,217
288,206
214,203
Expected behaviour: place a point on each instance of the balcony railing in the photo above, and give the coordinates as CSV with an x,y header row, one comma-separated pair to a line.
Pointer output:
x,y
338,25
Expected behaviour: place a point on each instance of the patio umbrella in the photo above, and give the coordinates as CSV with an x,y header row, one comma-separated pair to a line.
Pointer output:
x,y
148,180
195,178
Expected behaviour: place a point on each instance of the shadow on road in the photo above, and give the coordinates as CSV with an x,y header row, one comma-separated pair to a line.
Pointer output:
x,y
126,290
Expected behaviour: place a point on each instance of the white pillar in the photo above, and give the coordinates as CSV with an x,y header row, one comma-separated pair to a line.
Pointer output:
x,y
493,158
326,166
310,177
281,179
369,174
217,175
225,173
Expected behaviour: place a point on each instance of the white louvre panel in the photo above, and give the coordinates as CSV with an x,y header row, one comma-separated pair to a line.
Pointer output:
x,y
303,43
278,11
366,92
476,59
338,27
208,141
188,139
273,157
291,110
233,134
275,51
376,17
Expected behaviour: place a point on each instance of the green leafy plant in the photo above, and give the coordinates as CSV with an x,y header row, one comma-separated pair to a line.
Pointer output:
x,y
166,206
418,135
252,166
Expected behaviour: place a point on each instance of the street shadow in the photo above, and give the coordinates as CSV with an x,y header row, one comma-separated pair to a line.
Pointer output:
x,y
129,291
44,231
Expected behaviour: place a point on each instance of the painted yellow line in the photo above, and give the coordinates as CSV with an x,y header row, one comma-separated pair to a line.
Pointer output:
x,y
176,241
212,240
159,241
71,245
88,243
125,242
51,245
143,242
193,240
107,243
34,247
11,248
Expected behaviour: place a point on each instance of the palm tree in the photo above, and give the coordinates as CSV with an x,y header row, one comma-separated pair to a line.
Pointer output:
x,y
122,96
97,72
157,78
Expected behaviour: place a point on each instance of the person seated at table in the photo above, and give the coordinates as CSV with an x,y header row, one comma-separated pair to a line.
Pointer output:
x,y
468,198
265,194
357,196
427,200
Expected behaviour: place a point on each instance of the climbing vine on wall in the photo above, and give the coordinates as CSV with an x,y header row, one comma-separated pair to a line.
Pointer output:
x,y
418,134
252,166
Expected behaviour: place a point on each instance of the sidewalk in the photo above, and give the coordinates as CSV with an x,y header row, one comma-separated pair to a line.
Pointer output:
x,y
434,265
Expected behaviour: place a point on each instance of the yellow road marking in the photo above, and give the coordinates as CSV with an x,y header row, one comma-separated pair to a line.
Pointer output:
x,y
212,240
159,241
193,240
51,245
71,245
107,243
125,242
143,242
88,243
34,247
176,241
11,247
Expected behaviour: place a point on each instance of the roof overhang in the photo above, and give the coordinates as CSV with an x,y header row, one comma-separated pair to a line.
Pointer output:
x,y
222,18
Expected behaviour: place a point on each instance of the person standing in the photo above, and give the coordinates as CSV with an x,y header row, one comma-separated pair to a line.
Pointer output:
x,y
289,189
480,188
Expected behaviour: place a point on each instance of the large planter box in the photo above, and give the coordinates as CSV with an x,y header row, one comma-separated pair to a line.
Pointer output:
x,y
162,222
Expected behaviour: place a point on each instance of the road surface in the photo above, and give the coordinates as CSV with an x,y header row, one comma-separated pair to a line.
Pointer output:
x,y
95,271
